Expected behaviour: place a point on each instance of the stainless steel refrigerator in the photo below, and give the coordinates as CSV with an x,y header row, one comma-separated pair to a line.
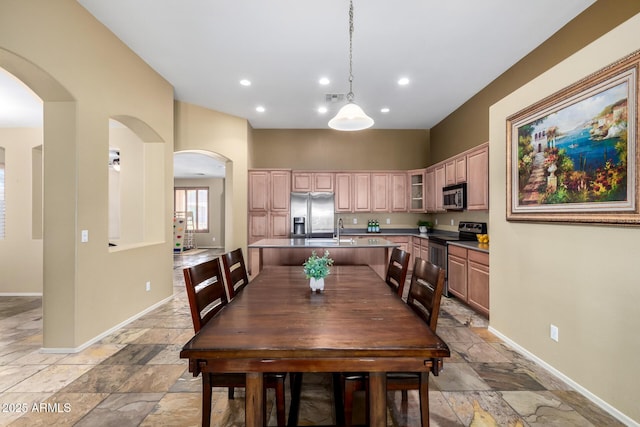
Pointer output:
x,y
312,214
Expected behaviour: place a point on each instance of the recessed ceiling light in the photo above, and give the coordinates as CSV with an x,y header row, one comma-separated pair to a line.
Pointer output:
x,y
245,82
403,81
322,110
260,109
384,110
324,81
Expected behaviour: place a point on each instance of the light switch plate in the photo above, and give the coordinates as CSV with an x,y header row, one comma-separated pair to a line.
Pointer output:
x,y
84,236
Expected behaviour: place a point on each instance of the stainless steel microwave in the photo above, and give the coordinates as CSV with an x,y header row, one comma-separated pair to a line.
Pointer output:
x,y
455,197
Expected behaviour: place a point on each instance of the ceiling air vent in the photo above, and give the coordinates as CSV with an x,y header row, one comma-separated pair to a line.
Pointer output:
x,y
334,97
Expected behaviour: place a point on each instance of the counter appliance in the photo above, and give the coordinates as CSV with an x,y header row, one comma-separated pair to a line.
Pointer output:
x,y
438,253
312,214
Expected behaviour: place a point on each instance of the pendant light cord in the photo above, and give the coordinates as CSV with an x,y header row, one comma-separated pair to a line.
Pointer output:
x,y
350,94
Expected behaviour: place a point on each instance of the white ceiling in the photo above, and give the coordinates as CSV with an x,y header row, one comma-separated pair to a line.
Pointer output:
x,y
449,50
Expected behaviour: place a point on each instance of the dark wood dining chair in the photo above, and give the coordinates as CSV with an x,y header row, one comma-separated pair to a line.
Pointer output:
x,y
235,272
425,294
397,270
207,297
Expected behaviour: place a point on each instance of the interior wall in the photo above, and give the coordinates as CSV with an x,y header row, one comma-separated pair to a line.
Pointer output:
x,y
69,52
468,126
20,251
215,237
198,128
581,278
327,149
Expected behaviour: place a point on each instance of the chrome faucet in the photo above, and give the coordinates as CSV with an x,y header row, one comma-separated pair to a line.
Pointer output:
x,y
338,227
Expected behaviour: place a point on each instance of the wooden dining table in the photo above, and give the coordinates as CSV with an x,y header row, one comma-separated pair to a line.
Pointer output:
x,y
277,324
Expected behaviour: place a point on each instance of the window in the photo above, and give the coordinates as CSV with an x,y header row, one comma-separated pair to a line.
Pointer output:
x,y
196,201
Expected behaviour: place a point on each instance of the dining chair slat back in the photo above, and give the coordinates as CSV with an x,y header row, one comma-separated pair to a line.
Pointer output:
x,y
425,291
205,291
207,297
235,272
397,270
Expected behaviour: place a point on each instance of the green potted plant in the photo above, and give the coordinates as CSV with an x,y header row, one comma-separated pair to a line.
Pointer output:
x,y
425,226
316,269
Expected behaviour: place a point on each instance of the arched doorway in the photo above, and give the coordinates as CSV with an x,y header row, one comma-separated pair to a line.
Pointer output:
x,y
200,182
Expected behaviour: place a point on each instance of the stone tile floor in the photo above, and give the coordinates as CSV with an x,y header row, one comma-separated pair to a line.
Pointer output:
x,y
134,377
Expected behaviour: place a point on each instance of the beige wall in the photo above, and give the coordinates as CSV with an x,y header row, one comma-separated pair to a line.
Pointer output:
x,y
198,128
328,149
20,252
468,126
582,278
216,210
85,75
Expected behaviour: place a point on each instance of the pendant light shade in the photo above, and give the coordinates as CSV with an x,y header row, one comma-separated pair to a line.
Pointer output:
x,y
350,118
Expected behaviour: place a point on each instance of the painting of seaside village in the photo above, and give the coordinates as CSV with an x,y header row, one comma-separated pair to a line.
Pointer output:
x,y
577,154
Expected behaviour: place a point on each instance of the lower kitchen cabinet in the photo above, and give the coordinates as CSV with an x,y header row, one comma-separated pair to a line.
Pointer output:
x,y
468,277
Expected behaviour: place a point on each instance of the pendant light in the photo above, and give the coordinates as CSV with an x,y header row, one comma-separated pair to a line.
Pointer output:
x,y
351,117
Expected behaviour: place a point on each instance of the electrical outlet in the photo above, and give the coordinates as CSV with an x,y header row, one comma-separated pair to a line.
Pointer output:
x,y
436,221
148,286
213,239
453,222
84,236
388,220
355,220
553,333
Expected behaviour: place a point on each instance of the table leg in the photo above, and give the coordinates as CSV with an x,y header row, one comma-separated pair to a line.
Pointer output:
x,y
424,398
254,402
378,399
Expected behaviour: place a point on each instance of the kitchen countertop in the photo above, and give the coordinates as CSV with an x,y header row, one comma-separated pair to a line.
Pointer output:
x,y
481,247
374,241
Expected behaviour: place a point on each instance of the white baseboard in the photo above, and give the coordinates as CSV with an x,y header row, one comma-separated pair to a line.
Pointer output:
x,y
586,393
106,333
20,294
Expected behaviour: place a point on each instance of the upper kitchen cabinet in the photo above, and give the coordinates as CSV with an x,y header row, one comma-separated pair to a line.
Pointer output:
x,y
440,181
398,198
380,192
312,181
456,170
269,190
343,194
361,192
430,190
478,178
416,180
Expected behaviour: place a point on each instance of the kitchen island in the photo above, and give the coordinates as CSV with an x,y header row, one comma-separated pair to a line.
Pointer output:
x,y
371,251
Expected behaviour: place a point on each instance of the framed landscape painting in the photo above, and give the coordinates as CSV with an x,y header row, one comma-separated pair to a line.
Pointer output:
x,y
573,157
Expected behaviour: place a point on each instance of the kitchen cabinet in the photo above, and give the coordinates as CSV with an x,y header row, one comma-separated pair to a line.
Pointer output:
x,y
450,172
440,178
478,178
416,182
312,181
361,192
343,193
461,169
259,191
430,190
457,272
269,199
403,241
468,277
379,192
398,187
478,281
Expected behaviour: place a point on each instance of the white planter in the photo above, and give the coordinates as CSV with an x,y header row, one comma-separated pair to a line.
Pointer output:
x,y
316,285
